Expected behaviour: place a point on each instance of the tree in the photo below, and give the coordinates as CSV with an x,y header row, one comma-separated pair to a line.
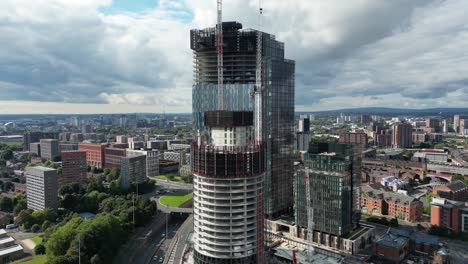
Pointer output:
x,y
25,219
427,210
17,210
439,146
6,154
66,189
36,228
46,225
59,242
6,204
8,186
69,201
394,222
40,249
458,177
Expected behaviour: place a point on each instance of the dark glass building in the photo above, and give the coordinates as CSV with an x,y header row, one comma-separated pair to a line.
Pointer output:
x,y
333,171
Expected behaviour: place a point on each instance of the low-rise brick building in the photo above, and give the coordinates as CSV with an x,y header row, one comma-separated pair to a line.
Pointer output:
x,y
393,205
392,248
456,191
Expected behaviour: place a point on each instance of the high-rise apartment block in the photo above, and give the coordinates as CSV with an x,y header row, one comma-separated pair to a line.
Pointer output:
x,y
152,160
433,125
34,137
302,141
304,124
35,148
50,148
41,188
456,122
121,139
402,135
86,129
113,157
132,171
74,168
365,119
464,126
95,154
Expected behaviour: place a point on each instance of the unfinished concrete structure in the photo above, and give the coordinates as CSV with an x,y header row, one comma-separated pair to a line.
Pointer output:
x,y
239,82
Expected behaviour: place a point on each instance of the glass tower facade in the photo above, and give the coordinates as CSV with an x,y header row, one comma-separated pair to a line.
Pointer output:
x,y
239,84
237,182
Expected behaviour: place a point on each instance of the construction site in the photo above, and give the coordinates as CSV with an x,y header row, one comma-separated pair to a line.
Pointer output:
x,y
245,186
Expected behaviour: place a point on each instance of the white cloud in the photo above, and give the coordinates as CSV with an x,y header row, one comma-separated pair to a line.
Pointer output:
x,y
405,53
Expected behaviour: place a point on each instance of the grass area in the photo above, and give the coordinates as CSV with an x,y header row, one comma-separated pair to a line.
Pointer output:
x,y
169,178
176,199
13,144
37,239
41,259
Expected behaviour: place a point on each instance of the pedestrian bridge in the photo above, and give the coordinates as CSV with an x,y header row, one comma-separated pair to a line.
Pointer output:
x,y
168,209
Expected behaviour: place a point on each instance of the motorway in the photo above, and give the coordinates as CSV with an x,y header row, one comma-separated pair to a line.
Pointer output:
x,y
149,243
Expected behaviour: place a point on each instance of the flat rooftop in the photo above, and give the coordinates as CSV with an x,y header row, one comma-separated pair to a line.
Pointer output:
x,y
10,250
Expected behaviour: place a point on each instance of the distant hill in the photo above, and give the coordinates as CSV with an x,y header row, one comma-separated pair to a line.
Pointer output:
x,y
393,111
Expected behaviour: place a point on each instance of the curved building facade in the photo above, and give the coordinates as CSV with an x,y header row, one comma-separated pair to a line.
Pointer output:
x,y
228,171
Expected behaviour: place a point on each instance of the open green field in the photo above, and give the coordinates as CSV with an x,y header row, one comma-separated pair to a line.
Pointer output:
x,y
176,199
36,239
41,259
13,144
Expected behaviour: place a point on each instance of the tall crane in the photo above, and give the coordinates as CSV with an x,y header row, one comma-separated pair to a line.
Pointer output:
x,y
258,78
310,220
219,52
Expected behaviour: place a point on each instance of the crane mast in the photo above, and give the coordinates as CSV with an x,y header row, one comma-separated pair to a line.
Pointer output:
x,y
258,79
219,52
310,220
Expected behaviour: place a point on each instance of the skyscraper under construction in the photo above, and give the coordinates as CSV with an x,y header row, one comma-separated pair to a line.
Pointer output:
x,y
238,176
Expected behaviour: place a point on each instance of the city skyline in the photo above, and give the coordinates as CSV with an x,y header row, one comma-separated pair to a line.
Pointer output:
x,y
131,57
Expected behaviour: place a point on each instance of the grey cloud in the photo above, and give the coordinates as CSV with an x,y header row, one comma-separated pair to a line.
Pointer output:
x,y
74,57
65,51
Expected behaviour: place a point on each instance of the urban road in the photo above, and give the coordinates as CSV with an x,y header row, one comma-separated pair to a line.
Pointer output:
x,y
149,244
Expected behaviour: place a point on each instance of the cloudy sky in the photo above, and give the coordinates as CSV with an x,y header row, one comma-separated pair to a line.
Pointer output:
x,y
104,56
